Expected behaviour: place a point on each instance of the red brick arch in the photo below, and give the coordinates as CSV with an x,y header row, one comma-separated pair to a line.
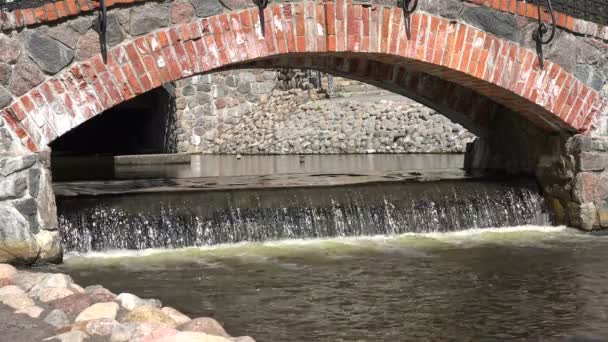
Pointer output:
x,y
436,59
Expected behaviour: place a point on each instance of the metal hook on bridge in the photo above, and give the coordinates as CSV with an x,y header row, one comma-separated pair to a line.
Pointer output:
x,y
542,30
261,6
407,9
101,26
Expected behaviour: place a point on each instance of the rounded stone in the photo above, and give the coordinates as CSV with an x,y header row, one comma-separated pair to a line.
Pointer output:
x,y
72,336
10,50
205,325
50,55
73,304
100,295
49,242
7,271
193,336
18,301
57,318
32,311
17,245
27,280
181,12
98,310
149,314
53,293
101,326
177,316
161,334
24,78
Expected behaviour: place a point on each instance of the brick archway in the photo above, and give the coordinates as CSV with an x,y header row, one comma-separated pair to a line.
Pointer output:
x,y
430,58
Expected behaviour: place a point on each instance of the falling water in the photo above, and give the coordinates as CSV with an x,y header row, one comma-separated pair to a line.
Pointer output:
x,y
180,219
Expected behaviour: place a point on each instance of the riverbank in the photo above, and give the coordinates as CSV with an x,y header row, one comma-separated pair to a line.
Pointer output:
x,y
37,306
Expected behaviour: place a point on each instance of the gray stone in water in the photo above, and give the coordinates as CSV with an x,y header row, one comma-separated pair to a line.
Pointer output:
x,y
50,55
57,318
148,18
130,301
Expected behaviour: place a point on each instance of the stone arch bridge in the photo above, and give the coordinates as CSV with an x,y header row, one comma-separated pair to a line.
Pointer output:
x,y
475,61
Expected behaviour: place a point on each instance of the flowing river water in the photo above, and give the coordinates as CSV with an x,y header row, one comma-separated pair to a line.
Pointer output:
x,y
399,256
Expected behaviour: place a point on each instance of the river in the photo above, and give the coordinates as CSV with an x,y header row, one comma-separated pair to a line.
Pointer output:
x,y
308,252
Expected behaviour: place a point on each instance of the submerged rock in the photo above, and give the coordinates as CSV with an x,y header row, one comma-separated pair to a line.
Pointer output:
x,y
130,301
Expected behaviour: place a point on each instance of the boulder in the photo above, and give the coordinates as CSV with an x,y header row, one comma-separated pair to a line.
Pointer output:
x,y
205,325
53,293
130,301
49,242
149,314
57,318
50,55
162,334
99,295
71,336
7,271
101,326
132,332
32,311
177,316
17,301
98,310
73,304
17,244
193,336
27,280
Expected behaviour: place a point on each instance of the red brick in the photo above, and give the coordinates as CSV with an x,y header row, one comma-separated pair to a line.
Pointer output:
x,y
72,7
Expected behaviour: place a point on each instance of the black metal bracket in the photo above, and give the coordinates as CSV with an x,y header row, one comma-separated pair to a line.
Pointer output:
x,y
542,30
100,26
407,8
261,6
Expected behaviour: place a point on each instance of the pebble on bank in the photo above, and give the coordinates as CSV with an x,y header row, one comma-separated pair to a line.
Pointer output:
x,y
73,313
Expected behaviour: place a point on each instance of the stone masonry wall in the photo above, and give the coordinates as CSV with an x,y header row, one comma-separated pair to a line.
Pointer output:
x,y
28,218
264,111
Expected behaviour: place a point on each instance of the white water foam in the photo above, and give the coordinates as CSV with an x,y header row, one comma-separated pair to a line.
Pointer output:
x,y
456,237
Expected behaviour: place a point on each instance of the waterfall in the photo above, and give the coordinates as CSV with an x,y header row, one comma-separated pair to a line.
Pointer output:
x,y
180,219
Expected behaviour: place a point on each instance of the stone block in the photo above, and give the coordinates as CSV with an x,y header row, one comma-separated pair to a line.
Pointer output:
x,y
50,55
25,76
592,161
584,187
147,18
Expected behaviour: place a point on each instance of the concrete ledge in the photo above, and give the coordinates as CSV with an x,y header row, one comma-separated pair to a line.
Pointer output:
x,y
145,159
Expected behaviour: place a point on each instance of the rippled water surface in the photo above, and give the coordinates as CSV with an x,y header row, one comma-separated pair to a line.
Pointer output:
x,y
533,283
